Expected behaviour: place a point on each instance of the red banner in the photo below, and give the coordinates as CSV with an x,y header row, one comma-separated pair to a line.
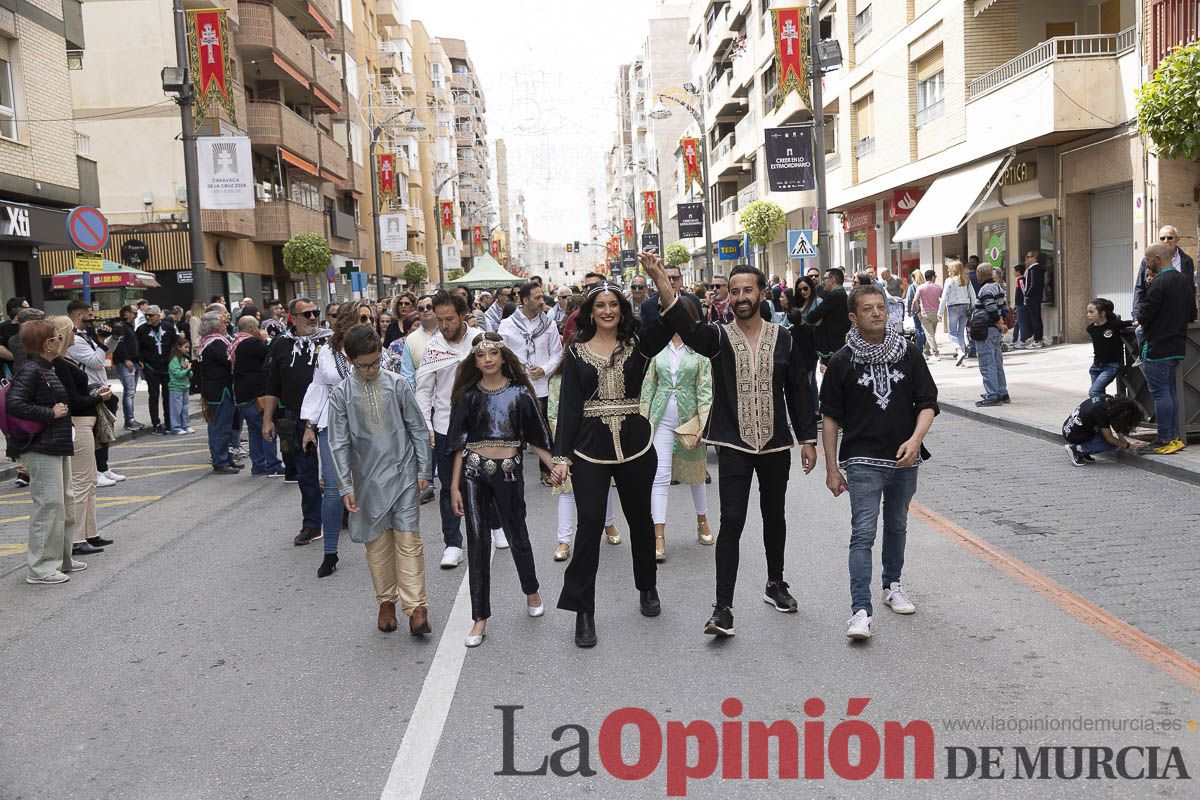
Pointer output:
x,y
628,228
651,202
614,246
447,217
478,235
211,61
791,44
496,249
387,174
691,162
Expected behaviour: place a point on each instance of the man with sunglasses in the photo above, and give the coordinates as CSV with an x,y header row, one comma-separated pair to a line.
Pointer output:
x,y
720,310
1168,236
290,364
415,342
1035,287
637,294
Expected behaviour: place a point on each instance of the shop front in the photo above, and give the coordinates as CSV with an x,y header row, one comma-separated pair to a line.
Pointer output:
x,y
25,230
860,241
904,258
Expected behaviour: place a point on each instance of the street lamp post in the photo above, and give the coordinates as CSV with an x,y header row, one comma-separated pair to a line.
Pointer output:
x,y
441,234
697,112
814,42
413,126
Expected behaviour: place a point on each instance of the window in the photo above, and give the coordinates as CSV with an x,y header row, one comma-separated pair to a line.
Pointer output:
x,y
306,194
862,23
770,83
8,102
931,87
766,16
864,123
435,76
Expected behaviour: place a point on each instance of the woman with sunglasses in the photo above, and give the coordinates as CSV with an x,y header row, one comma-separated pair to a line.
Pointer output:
x,y
331,369
405,304
601,437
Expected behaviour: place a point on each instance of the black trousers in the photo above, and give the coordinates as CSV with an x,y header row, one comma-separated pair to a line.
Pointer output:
x,y
486,488
158,385
736,469
634,480
543,403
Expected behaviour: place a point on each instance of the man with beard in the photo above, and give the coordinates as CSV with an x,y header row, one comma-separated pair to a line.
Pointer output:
x,y
759,382
290,364
720,310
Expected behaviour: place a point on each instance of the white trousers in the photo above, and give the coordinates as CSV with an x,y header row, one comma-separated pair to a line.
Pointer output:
x,y
664,444
566,515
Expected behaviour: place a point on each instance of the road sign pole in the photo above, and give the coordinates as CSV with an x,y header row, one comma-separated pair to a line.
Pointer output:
x,y
87,288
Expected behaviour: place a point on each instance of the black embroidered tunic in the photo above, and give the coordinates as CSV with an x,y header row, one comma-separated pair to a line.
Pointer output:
x,y
504,417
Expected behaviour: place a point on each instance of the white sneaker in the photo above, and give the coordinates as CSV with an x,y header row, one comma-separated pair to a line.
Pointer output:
x,y
894,598
499,539
76,566
189,429
859,626
451,557
113,476
104,481
52,578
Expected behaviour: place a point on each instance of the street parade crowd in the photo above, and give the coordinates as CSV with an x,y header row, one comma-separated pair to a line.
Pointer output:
x,y
617,392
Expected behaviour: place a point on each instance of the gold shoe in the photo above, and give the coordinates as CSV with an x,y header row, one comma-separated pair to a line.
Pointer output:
x,y
562,552
702,530
660,543
614,535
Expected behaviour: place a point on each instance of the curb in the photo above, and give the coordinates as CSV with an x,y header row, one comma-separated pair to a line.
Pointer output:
x,y
1159,465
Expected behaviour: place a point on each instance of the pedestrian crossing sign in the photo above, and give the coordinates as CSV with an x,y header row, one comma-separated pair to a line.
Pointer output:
x,y
800,244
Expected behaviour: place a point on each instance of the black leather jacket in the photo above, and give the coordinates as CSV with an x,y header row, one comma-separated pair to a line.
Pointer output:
x,y
34,391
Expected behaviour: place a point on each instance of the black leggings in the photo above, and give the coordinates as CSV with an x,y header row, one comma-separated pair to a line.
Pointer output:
x,y
494,486
634,480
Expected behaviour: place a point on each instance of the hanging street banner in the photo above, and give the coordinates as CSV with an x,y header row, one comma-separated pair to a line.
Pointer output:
x,y
478,236
211,61
629,229
226,172
650,201
691,162
447,218
387,175
691,220
791,47
651,240
496,249
614,246
393,233
789,159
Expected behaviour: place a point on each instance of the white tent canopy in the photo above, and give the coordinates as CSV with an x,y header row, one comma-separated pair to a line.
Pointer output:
x,y
950,200
486,273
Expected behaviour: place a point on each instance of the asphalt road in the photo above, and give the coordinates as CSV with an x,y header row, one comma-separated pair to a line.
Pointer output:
x,y
200,657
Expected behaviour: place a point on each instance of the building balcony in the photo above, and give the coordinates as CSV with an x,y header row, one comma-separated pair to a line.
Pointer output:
x,y
212,124
280,220
416,177
725,157
390,62
721,101
333,158
386,12
278,48
317,17
748,135
1173,23
1068,83
462,82
748,195
327,79
237,223
270,124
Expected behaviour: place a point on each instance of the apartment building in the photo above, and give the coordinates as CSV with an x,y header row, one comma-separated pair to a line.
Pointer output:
x,y
992,128
476,216
45,166
504,233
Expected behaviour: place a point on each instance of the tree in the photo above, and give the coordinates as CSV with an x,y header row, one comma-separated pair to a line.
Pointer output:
x,y
762,221
677,255
1167,111
414,273
454,274
307,254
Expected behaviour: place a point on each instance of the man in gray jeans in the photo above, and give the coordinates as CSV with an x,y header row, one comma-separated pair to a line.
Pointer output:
x,y
988,315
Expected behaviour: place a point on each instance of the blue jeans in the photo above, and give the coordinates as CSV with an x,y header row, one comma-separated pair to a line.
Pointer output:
x,y
451,531
1102,375
991,365
264,458
308,478
920,331
868,486
1160,377
179,410
956,317
129,381
1097,445
220,430
331,499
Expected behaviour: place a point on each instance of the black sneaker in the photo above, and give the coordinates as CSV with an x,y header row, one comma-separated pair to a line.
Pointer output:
x,y
777,595
99,541
22,479
1073,454
306,535
225,470
721,622
159,430
1086,457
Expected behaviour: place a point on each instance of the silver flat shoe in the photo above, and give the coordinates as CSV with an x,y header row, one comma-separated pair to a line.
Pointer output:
x,y
474,641
535,611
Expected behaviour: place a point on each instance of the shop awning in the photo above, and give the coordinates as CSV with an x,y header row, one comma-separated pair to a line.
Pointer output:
x,y
112,276
950,200
486,274
982,6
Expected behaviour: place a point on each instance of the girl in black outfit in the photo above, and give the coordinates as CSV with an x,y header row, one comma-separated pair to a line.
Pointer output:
x,y
495,415
1108,350
37,395
602,437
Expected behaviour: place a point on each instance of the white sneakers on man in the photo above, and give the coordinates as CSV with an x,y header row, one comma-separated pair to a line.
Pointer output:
x,y
859,626
103,481
894,598
113,476
499,539
451,557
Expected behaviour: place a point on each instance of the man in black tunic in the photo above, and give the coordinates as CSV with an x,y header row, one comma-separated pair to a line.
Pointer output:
x,y
759,381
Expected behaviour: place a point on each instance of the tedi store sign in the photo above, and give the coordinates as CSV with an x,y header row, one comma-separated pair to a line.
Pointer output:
x,y
632,744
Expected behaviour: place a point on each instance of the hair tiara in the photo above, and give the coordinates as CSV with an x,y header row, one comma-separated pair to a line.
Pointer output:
x,y
604,286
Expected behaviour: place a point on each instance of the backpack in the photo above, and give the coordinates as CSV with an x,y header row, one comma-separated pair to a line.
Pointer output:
x,y
14,426
981,321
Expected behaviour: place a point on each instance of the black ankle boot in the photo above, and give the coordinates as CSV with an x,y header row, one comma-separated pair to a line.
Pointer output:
x,y
328,565
650,604
585,629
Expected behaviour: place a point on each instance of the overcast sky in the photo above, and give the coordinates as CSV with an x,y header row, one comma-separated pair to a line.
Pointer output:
x,y
549,72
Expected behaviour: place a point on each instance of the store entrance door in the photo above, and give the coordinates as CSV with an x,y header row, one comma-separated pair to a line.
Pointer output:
x,y
1112,242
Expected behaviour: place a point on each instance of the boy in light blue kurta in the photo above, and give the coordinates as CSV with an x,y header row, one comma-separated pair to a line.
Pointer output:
x,y
380,447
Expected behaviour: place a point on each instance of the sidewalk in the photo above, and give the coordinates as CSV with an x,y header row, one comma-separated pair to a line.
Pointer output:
x,y
1046,385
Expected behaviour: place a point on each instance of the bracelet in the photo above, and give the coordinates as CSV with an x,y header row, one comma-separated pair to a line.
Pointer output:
x,y
562,460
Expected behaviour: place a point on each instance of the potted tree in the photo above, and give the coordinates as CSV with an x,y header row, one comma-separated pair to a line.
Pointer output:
x,y
763,221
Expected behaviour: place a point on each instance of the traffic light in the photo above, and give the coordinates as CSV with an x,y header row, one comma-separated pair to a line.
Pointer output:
x,y
572,249
576,247
547,263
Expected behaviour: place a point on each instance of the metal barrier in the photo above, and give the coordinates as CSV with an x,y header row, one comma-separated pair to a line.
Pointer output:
x,y
1131,383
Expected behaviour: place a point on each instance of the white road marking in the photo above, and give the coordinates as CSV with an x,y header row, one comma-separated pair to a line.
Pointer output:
x,y
406,781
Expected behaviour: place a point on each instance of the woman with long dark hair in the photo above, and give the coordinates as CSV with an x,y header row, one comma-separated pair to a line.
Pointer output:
x,y
601,437
494,415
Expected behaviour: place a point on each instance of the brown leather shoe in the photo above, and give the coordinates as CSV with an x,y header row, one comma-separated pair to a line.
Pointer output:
x,y
387,617
418,623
